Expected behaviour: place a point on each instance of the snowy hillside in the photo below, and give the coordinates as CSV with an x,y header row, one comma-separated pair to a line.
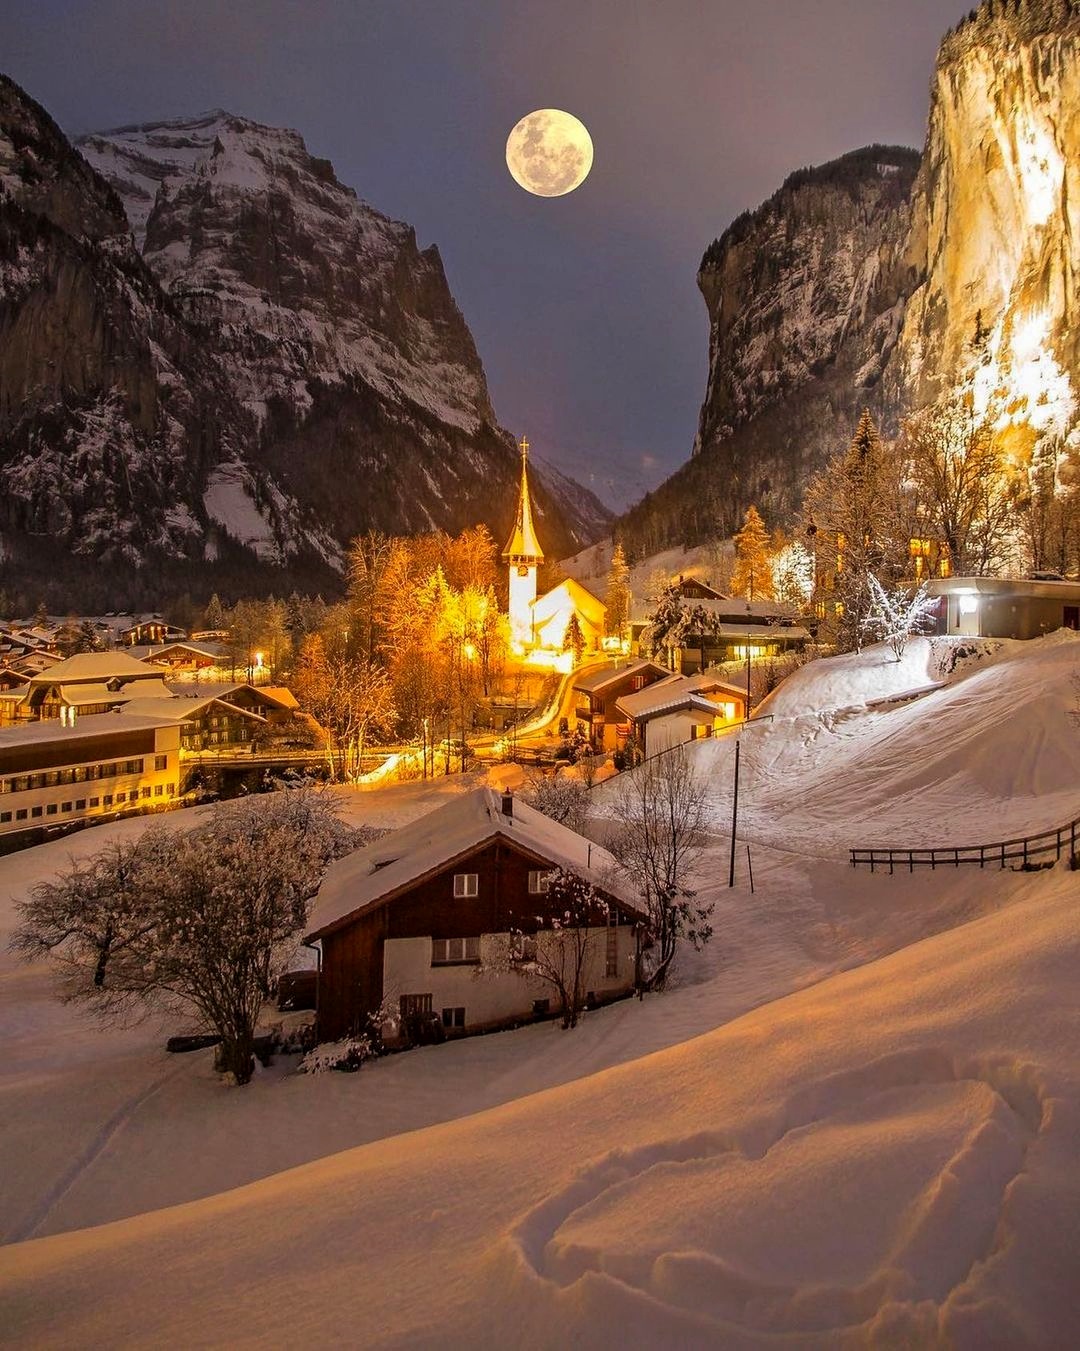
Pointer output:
x,y
854,1121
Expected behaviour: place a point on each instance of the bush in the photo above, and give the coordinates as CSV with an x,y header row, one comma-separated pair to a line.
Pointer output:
x,y
346,1055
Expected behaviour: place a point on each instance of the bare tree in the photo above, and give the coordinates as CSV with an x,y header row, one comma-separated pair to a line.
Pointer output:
x,y
558,955
564,799
206,922
659,814
966,494
896,616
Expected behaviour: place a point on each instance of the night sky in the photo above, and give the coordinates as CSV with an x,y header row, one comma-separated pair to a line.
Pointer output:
x,y
584,307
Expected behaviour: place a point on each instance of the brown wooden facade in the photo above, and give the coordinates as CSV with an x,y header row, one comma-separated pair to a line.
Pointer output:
x,y
351,983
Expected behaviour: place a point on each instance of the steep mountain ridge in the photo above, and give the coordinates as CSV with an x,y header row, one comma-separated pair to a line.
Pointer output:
x,y
214,354
841,293
806,301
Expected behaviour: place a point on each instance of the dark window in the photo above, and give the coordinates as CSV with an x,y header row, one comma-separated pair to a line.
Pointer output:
x,y
50,810
1071,618
21,814
80,804
466,885
453,1017
107,799
158,790
5,817
447,951
146,792
35,811
66,806
161,762
414,1003
95,802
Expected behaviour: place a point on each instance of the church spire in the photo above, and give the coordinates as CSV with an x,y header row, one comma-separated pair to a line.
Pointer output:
x,y
523,548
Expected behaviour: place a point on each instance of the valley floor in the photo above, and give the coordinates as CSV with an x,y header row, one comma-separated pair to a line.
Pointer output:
x,y
855,1120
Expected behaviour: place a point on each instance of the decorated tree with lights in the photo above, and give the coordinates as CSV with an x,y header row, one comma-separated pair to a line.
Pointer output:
x,y
793,575
897,614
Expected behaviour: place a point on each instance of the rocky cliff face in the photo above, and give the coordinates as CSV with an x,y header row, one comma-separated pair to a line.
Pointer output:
x,y
868,284
212,353
806,301
995,234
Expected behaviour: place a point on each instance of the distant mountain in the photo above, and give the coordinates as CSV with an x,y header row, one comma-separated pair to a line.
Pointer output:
x,y
217,365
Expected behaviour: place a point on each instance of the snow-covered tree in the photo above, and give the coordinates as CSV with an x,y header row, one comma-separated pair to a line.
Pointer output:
x,y
659,814
793,575
897,615
564,799
558,954
669,622
752,575
201,921
617,595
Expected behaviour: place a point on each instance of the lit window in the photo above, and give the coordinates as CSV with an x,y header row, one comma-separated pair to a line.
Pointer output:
x,y
539,882
466,884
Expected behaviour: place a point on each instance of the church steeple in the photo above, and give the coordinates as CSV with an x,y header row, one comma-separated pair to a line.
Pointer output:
x,y
523,555
523,548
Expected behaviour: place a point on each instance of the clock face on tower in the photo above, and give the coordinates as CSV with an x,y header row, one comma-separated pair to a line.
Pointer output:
x,y
523,572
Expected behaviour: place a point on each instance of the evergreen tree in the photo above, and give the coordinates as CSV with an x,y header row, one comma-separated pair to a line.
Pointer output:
x,y
617,597
574,640
855,521
752,576
214,618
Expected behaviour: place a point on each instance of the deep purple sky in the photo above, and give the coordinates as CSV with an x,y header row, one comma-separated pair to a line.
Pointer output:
x,y
585,307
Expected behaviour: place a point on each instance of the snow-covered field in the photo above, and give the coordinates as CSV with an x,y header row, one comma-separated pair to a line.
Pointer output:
x,y
855,1121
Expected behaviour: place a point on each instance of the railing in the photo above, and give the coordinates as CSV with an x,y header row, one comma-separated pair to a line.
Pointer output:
x,y
1030,851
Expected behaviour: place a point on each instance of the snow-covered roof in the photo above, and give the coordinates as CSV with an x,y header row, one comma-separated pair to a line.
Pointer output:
x,y
100,693
400,860
90,725
585,600
100,666
599,680
222,689
665,696
178,709
147,651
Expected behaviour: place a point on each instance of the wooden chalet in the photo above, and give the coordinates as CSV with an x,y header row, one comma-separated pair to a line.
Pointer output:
x,y
404,925
597,711
680,709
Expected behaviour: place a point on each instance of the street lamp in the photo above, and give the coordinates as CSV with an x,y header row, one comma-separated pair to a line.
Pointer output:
x,y
735,792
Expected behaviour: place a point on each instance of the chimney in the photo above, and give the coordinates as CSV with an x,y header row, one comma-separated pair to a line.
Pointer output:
x,y
508,805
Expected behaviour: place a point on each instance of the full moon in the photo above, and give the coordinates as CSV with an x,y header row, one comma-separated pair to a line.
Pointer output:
x,y
549,152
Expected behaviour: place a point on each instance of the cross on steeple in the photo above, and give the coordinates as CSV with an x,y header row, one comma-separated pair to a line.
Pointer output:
x,y
524,446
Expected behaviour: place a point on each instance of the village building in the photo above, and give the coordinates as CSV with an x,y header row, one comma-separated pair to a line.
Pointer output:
x,y
186,660
540,625
91,682
995,607
597,711
54,775
405,926
680,709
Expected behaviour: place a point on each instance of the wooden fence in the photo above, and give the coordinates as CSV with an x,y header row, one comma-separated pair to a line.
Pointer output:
x,y
1031,851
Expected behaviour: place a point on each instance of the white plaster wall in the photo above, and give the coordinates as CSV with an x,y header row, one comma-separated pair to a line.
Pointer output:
x,y
490,996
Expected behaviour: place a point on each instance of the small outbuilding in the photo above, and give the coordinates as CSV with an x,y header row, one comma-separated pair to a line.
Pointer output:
x,y
681,709
606,726
998,607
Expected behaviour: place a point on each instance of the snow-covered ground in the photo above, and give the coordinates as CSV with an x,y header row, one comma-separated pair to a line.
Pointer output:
x,y
855,1120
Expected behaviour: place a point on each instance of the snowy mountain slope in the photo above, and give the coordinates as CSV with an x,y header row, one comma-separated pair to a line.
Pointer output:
x,y
279,369
339,333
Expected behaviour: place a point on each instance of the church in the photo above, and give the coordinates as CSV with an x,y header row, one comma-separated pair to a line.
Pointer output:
x,y
540,626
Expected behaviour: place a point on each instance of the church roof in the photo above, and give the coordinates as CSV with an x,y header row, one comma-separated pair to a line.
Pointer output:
x,y
523,542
